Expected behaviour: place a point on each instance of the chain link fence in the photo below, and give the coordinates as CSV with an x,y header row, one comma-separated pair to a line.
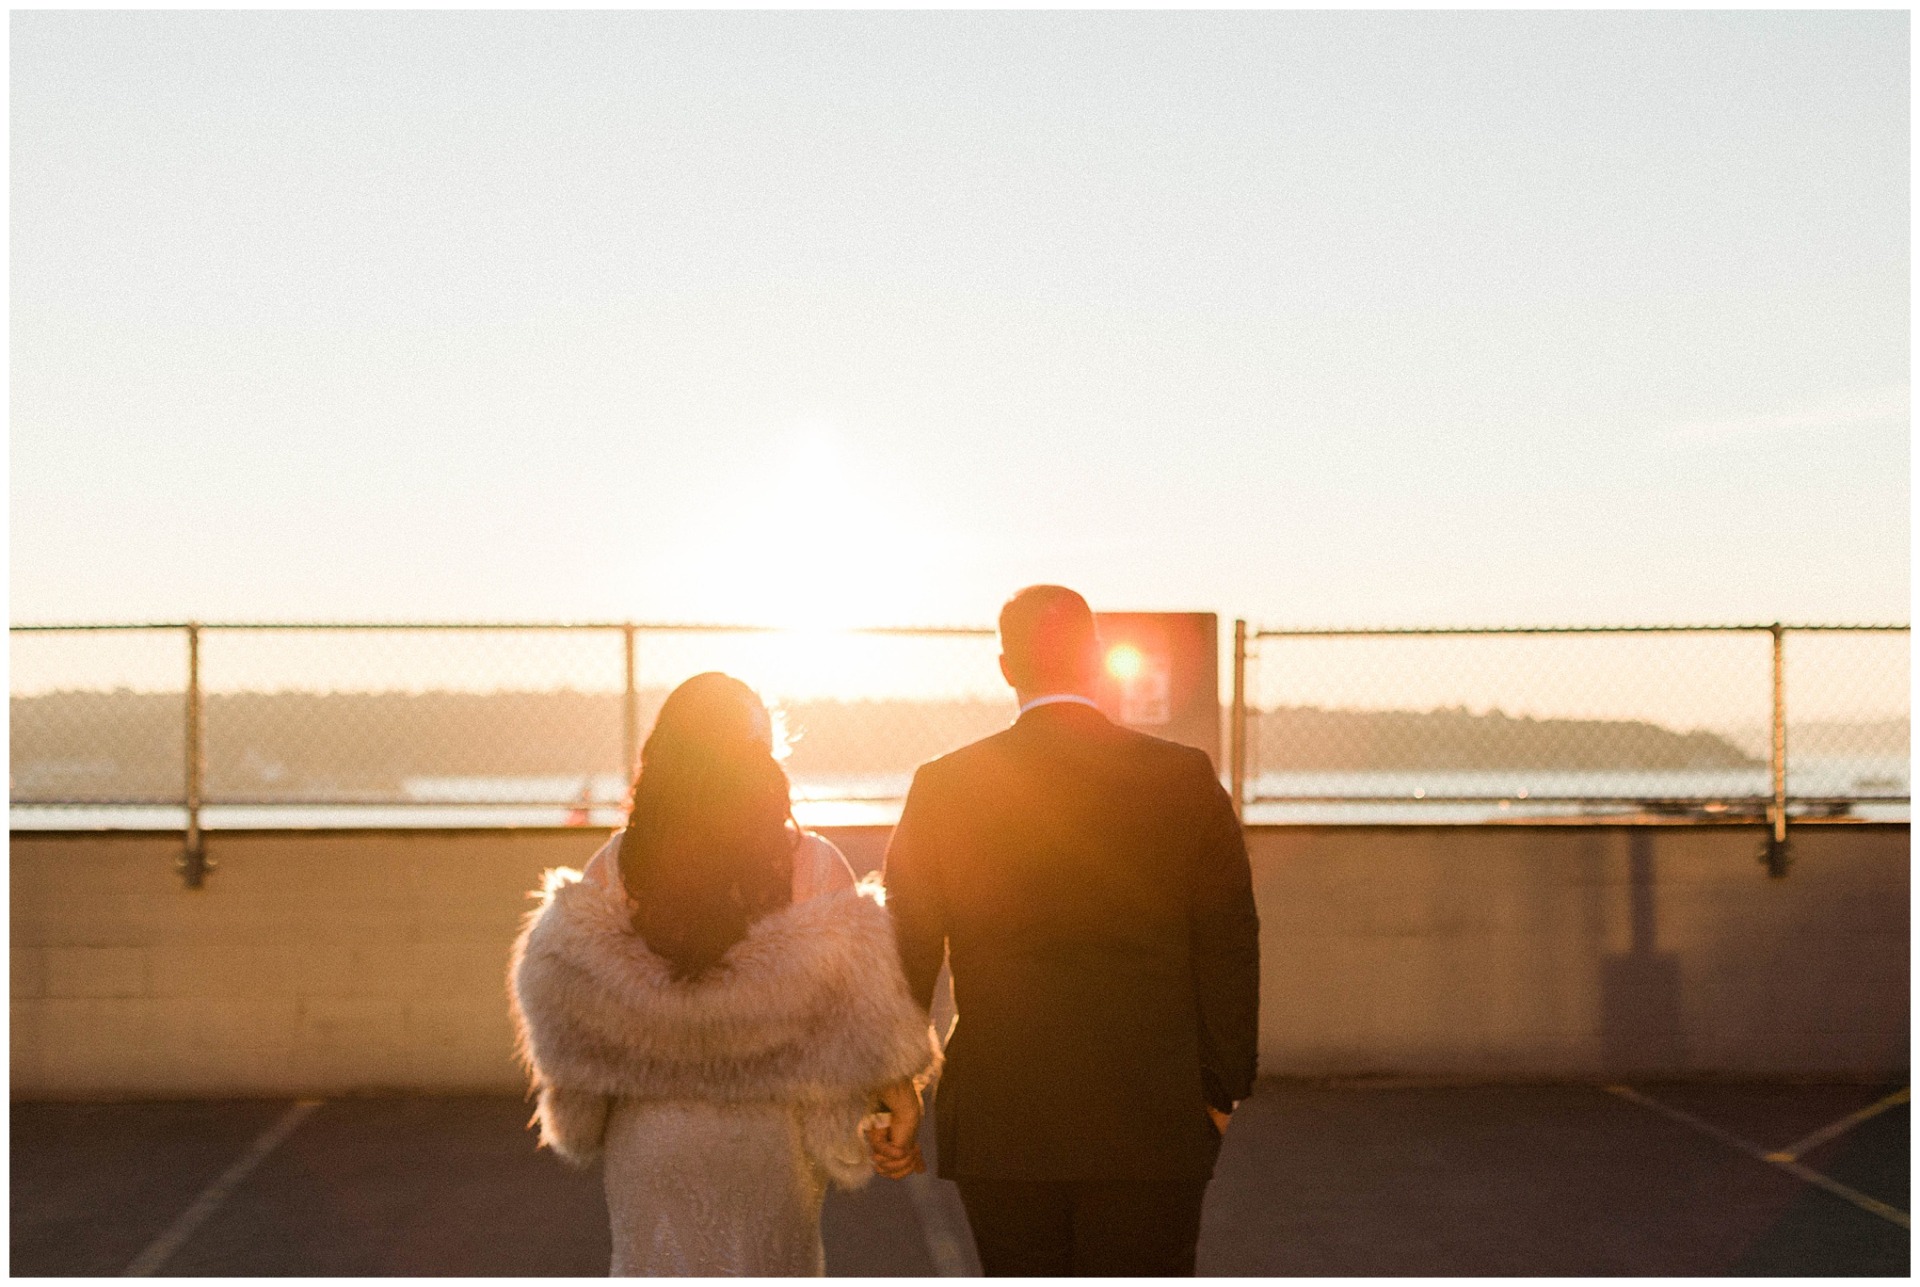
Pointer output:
x,y
446,725
288,725
1485,724
98,717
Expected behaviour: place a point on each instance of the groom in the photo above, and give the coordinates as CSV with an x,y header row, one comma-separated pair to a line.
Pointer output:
x,y
1089,886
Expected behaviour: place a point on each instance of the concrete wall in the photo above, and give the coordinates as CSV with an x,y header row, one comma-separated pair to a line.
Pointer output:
x,y
309,962
329,962
1582,952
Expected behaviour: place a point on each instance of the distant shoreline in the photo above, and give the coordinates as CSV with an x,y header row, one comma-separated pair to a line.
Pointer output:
x,y
121,744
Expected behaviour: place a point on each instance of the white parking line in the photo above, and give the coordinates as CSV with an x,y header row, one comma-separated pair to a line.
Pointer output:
x,y
161,1249
1794,1152
1893,1215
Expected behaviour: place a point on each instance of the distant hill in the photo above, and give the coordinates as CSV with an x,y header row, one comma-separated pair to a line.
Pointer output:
x,y
313,746
1309,739
1877,737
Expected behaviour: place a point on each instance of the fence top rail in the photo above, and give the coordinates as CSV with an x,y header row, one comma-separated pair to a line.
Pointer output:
x,y
686,627
643,627
656,627
1348,632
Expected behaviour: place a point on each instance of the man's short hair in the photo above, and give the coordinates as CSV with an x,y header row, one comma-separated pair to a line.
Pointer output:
x,y
1047,636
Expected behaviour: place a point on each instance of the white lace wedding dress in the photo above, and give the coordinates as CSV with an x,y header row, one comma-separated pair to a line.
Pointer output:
x,y
703,1189
724,1108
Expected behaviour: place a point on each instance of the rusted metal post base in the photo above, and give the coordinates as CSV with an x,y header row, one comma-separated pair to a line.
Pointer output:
x,y
194,864
1777,855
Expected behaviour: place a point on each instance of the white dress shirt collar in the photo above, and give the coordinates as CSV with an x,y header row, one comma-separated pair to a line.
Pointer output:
x,y
1049,699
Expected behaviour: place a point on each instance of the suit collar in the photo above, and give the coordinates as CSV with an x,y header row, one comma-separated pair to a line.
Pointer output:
x,y
1065,713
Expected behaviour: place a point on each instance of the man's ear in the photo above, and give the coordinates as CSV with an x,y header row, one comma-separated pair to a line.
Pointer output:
x,y
1006,672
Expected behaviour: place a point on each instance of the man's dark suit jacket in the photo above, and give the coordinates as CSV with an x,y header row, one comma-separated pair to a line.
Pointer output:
x,y
1091,887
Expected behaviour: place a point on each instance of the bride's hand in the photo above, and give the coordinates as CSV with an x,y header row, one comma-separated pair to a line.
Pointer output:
x,y
895,1166
894,1141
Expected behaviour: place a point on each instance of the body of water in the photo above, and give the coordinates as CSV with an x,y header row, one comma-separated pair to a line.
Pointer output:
x,y
1875,783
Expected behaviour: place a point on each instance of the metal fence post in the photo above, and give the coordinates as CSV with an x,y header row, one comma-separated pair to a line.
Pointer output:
x,y
1776,856
630,711
1237,721
193,863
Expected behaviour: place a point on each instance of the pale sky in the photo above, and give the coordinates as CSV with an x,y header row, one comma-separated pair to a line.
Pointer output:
x,y
1460,318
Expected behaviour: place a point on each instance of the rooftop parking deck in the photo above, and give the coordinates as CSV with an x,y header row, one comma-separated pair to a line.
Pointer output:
x,y
1314,1179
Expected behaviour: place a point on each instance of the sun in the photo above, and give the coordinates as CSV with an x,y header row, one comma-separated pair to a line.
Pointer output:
x,y
810,541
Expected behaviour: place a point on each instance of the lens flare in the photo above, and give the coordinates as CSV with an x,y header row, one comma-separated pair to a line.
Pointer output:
x,y
1125,662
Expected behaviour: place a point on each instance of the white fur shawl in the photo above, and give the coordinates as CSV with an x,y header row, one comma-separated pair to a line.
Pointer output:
x,y
809,1009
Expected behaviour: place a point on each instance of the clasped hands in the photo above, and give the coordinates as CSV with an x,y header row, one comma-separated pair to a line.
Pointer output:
x,y
894,1140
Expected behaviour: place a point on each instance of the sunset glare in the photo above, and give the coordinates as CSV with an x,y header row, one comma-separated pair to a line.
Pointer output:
x,y
821,319
805,538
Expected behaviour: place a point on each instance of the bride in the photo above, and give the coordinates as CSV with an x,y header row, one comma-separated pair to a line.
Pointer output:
x,y
714,1007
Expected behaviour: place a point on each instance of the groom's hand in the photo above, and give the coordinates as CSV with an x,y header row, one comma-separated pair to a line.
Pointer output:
x,y
893,1163
895,1145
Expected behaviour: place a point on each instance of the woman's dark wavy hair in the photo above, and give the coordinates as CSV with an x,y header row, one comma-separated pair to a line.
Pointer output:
x,y
709,843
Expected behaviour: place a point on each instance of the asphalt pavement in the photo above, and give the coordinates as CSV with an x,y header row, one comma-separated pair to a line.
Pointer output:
x,y
1334,1180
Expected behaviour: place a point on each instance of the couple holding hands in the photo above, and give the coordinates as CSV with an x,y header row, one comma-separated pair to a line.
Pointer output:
x,y
724,1016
